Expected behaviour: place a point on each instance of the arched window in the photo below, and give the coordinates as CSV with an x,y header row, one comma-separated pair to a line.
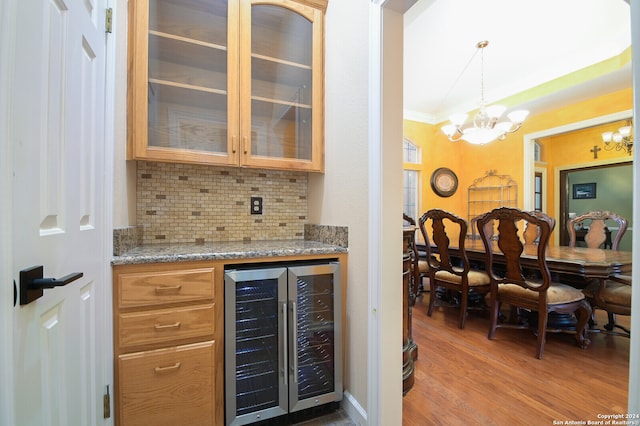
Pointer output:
x,y
411,179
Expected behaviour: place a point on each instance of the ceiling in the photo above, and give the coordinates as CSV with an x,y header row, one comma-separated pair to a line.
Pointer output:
x,y
541,54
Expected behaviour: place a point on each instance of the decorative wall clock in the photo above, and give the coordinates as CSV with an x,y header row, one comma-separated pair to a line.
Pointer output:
x,y
444,182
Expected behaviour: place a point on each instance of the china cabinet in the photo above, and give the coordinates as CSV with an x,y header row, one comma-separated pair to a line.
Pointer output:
x,y
409,347
228,82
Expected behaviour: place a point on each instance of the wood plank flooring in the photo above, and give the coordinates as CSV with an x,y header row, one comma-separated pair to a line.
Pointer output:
x,y
463,378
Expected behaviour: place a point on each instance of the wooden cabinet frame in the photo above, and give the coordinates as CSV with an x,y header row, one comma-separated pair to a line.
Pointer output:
x,y
238,91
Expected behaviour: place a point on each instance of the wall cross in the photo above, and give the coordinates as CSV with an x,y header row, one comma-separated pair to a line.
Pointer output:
x,y
595,151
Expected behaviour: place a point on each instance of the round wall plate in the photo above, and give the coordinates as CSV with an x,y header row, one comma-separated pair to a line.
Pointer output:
x,y
444,182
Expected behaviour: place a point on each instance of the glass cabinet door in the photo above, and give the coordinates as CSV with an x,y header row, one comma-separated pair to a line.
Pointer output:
x,y
315,373
190,58
279,74
228,82
255,345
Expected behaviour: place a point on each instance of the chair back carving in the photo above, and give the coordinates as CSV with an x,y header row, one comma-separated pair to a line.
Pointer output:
x,y
441,229
597,234
509,242
532,231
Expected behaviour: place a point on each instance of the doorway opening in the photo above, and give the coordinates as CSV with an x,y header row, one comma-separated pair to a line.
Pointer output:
x,y
612,186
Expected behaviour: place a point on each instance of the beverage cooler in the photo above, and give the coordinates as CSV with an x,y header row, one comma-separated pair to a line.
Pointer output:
x,y
283,340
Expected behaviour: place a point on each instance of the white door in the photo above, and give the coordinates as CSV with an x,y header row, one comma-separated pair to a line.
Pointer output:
x,y
55,127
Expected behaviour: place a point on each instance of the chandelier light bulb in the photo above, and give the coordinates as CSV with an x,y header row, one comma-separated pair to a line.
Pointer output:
x,y
625,131
620,140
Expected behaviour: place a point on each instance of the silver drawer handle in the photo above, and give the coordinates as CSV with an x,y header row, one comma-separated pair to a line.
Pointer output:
x,y
165,326
170,368
166,289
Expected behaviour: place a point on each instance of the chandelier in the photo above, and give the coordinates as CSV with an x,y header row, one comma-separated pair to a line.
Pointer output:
x,y
621,139
485,127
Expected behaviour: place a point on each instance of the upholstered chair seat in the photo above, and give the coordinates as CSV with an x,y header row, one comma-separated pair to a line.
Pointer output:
x,y
556,293
615,293
475,278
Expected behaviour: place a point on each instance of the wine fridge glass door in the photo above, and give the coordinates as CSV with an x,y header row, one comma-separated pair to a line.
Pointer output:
x,y
255,345
315,364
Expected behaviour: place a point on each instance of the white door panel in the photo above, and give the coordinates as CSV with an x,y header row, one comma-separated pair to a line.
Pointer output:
x,y
57,115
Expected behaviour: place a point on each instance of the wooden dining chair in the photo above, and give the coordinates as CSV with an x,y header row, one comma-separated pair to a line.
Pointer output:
x,y
612,295
532,230
510,286
594,223
459,277
419,265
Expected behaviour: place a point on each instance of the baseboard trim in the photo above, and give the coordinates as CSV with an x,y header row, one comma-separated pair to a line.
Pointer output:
x,y
353,409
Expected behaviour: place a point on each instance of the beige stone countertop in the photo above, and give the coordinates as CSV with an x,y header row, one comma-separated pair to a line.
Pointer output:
x,y
158,253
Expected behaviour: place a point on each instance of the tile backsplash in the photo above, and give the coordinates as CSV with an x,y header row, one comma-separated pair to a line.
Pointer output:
x,y
181,203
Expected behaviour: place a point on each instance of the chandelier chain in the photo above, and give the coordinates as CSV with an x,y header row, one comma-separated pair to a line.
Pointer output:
x,y
482,103
457,80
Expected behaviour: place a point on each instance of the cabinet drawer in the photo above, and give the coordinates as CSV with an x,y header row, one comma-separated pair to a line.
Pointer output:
x,y
166,325
173,386
155,288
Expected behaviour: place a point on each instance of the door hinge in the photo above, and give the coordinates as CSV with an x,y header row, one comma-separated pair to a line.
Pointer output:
x,y
108,21
106,402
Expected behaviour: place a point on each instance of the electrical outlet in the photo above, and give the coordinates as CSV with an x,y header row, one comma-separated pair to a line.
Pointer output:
x,y
256,205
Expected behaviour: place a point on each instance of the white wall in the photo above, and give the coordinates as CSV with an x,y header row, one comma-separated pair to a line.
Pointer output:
x,y
340,196
362,189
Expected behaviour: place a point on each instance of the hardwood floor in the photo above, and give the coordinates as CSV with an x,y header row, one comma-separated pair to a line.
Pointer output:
x,y
463,378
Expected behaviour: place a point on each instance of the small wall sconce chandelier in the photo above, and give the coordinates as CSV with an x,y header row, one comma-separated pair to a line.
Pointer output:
x,y
622,139
485,127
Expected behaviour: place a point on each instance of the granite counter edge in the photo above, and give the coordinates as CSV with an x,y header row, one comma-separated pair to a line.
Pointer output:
x,y
215,256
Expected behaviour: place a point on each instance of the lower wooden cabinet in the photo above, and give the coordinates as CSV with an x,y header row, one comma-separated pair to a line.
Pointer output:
x,y
168,341
170,386
168,334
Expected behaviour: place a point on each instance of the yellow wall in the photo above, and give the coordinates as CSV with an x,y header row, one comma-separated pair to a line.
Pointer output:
x,y
506,157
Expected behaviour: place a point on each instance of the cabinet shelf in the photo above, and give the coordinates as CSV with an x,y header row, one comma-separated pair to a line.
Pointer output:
x,y
187,86
281,61
278,102
187,40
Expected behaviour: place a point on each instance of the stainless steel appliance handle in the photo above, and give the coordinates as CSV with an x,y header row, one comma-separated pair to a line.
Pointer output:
x,y
294,340
283,339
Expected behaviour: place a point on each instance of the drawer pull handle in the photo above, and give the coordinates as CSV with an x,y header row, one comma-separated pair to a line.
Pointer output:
x,y
170,368
167,289
165,326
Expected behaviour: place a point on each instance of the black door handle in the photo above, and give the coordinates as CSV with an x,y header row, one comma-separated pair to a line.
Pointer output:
x,y
33,283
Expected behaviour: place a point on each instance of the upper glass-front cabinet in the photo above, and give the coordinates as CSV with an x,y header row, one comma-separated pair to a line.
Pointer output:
x,y
237,82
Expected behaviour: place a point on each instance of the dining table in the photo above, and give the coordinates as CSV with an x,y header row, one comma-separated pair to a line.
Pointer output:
x,y
574,266
583,263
